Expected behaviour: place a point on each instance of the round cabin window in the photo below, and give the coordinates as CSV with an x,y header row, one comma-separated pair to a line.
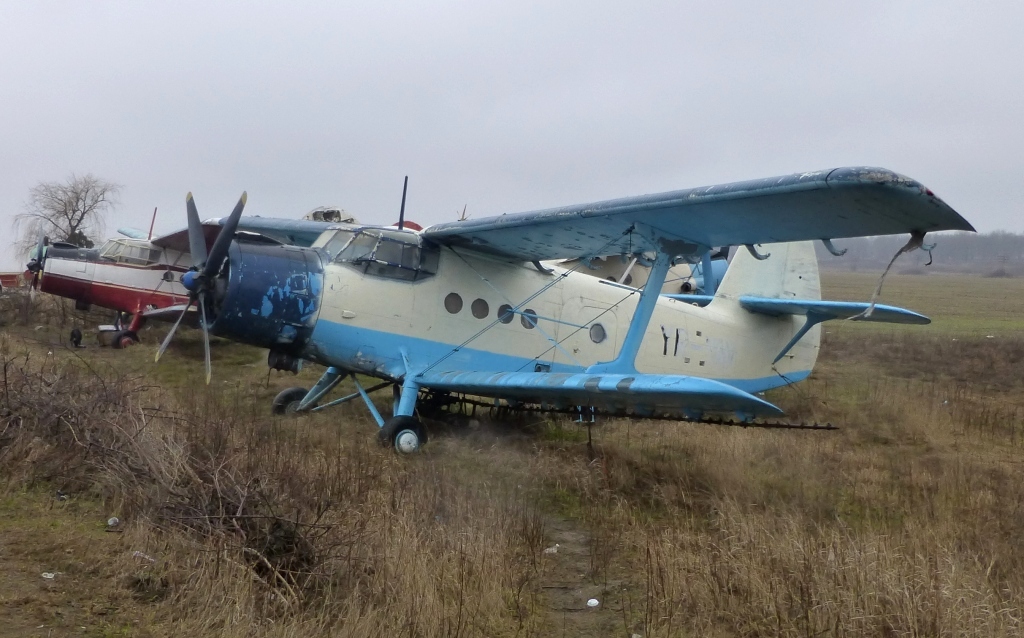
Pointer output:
x,y
597,333
480,308
529,319
453,303
505,314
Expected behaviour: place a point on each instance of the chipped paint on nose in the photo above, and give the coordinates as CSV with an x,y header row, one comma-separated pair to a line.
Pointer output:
x,y
272,297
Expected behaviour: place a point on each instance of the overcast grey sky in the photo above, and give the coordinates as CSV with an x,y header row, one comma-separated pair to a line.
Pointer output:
x,y
502,107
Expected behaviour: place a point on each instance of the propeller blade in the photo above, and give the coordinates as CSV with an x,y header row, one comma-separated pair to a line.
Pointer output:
x,y
167,339
36,261
206,338
196,236
223,241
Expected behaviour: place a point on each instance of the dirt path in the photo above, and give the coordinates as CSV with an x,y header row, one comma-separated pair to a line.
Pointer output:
x,y
567,584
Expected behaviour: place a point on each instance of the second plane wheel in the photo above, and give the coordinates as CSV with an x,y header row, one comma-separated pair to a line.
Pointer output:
x,y
404,433
287,401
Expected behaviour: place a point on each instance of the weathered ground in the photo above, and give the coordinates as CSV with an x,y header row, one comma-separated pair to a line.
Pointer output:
x,y
905,522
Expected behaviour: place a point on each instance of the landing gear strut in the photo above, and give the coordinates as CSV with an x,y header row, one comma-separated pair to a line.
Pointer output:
x,y
403,431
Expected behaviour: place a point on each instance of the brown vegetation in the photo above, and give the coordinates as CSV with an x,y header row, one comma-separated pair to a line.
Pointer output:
x,y
906,522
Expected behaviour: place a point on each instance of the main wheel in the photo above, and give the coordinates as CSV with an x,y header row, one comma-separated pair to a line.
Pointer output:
x,y
404,433
123,339
287,401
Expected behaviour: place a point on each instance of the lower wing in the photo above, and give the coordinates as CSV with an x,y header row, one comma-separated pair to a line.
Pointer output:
x,y
639,394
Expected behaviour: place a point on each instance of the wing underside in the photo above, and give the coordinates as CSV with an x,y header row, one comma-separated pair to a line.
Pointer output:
x,y
828,204
293,232
639,394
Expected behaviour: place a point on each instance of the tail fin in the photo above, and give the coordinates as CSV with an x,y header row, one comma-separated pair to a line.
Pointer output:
x,y
789,272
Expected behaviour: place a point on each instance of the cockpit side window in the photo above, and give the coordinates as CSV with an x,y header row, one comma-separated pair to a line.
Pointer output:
x,y
110,249
335,244
122,251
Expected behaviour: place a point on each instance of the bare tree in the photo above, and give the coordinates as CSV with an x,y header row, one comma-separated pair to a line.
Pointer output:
x,y
71,211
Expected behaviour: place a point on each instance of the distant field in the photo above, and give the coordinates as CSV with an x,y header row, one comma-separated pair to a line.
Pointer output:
x,y
964,304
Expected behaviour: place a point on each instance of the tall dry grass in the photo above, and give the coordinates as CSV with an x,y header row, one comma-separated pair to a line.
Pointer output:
x,y
906,522
267,527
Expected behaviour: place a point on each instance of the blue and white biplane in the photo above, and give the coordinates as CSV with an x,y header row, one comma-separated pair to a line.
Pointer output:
x,y
468,307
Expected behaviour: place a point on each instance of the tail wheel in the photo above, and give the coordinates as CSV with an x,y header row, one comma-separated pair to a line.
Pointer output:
x,y
287,401
404,433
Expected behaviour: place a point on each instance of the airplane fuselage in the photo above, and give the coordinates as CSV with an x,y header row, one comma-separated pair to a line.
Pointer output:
x,y
119,282
460,318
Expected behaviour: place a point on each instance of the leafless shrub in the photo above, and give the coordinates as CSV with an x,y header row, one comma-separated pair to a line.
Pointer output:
x,y
298,526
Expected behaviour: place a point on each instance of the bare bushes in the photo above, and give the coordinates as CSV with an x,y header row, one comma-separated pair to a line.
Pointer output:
x,y
260,524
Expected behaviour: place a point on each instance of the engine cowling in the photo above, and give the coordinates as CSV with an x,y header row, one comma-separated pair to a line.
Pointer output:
x,y
270,297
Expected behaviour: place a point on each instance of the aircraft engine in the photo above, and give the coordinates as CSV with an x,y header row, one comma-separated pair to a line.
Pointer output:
x,y
270,297
266,295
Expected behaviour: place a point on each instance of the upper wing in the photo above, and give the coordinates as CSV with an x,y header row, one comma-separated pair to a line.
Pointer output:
x,y
641,394
843,202
295,232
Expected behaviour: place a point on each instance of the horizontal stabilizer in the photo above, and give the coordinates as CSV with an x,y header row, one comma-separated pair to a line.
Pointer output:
x,y
825,310
638,394
818,311
821,310
132,233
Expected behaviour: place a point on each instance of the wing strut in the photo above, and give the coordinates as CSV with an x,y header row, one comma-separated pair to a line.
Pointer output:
x,y
625,363
710,285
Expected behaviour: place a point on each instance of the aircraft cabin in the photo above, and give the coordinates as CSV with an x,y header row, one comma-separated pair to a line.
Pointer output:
x,y
134,252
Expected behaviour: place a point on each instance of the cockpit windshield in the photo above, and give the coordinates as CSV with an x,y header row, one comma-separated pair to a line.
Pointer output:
x,y
383,252
129,251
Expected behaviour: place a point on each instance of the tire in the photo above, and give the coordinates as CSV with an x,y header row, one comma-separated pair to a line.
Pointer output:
x,y
288,400
403,433
124,339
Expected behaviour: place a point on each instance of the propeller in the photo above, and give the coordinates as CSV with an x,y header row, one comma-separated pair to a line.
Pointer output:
x,y
200,279
38,259
35,265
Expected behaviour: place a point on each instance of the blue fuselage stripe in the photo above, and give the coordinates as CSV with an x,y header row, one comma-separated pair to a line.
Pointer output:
x,y
379,354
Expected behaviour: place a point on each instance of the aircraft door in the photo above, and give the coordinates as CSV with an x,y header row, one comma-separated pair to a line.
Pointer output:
x,y
588,333
86,270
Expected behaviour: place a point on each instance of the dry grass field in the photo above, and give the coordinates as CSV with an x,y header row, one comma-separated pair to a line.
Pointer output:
x,y
904,522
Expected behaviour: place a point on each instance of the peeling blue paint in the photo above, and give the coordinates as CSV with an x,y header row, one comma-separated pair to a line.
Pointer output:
x,y
273,295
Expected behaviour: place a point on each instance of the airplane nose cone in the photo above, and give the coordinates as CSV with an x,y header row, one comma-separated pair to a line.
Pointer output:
x,y
190,280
